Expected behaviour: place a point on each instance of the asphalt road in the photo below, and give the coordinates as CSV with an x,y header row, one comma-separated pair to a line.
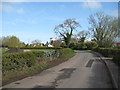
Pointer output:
x,y
84,70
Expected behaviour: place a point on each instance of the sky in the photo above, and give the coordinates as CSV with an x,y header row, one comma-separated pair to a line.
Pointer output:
x,y
36,20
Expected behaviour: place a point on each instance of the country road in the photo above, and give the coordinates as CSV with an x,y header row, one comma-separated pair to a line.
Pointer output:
x,y
84,70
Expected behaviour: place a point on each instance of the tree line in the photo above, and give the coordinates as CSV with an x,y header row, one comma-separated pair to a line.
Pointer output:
x,y
103,30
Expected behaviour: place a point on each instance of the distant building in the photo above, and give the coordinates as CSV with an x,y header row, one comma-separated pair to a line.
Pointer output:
x,y
36,45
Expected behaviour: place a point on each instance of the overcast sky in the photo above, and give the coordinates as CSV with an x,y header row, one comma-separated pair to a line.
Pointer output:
x,y
37,20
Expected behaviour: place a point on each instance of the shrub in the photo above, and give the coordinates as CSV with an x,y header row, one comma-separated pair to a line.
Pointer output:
x,y
20,64
63,45
110,52
80,46
38,54
40,47
91,44
65,52
116,57
72,45
14,61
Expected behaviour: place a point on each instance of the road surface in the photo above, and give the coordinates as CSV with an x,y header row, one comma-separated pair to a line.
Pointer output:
x,y
84,70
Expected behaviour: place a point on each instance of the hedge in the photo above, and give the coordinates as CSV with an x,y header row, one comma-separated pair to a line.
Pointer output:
x,y
116,57
110,52
89,45
40,47
65,52
14,61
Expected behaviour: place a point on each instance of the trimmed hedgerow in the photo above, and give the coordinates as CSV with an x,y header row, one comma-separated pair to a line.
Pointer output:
x,y
110,52
65,52
116,57
40,47
14,61
38,54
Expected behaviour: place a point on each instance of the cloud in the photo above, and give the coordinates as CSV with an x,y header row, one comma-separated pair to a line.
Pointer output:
x,y
20,11
92,5
9,8
19,20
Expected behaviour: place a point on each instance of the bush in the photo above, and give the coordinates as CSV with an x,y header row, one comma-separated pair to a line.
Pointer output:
x,y
65,52
116,57
91,44
38,54
40,47
14,61
63,45
72,45
110,52
80,46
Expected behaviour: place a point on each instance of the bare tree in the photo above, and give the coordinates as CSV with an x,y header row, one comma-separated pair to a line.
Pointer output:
x,y
104,28
82,35
66,29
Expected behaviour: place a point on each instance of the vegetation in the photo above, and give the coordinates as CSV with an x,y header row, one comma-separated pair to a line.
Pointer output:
x,y
88,45
40,47
65,52
82,35
56,43
104,32
16,64
110,52
10,41
105,29
66,30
